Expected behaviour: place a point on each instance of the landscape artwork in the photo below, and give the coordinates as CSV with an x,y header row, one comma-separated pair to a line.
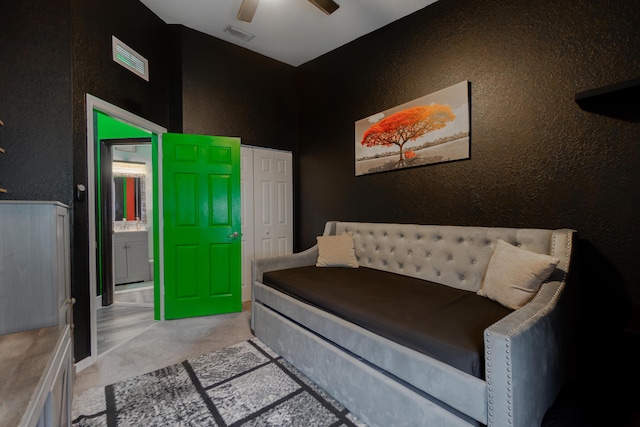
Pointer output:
x,y
427,130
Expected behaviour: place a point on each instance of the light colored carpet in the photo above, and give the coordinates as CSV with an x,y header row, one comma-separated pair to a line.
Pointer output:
x,y
246,384
133,286
165,343
120,322
135,295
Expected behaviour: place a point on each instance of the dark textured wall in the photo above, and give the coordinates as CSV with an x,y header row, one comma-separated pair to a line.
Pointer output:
x,y
230,91
198,85
95,72
35,101
57,52
537,159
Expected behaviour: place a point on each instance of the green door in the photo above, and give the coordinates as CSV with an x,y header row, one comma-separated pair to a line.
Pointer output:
x,y
201,203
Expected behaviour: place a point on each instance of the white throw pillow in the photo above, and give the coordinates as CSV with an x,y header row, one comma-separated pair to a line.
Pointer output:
x,y
336,251
515,275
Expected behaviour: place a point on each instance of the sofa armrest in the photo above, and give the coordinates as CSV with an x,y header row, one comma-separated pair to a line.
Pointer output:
x,y
261,265
527,353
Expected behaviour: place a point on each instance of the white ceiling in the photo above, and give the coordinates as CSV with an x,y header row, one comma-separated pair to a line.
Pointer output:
x,y
290,31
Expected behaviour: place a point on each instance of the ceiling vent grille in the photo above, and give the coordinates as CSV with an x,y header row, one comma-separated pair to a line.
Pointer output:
x,y
129,58
237,32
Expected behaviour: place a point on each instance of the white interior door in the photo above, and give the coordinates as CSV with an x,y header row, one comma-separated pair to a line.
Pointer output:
x,y
266,192
246,209
273,202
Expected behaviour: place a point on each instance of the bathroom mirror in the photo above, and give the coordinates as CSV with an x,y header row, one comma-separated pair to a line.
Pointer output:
x,y
129,194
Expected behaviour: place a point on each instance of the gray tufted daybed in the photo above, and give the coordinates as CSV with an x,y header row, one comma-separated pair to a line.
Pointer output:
x,y
405,339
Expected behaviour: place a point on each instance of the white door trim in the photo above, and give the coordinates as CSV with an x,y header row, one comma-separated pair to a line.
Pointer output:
x,y
246,207
94,103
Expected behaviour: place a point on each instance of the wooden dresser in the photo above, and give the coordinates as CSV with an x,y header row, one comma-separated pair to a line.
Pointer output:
x,y
36,378
36,314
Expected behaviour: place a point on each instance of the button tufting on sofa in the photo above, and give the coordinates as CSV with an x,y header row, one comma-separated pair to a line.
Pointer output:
x,y
503,398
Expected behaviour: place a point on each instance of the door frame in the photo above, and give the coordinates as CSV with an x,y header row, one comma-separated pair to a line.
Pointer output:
x,y
97,104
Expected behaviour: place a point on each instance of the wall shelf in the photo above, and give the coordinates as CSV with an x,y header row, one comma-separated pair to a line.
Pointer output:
x,y
620,100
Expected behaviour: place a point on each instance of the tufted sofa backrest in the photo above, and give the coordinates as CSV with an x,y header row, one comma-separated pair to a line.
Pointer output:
x,y
456,256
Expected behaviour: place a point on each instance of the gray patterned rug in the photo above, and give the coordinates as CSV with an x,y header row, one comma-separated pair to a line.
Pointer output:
x,y
243,385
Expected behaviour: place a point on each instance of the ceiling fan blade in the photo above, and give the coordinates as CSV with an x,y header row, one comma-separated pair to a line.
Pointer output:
x,y
247,10
327,6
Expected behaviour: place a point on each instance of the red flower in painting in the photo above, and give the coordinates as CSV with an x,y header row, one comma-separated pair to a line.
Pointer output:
x,y
409,154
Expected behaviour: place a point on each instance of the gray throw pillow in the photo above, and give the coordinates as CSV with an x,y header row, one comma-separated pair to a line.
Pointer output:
x,y
514,275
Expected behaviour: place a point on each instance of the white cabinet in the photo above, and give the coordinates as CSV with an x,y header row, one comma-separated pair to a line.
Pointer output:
x,y
35,278
131,256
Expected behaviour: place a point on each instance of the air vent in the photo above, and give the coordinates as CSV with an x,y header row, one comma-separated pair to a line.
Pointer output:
x,y
129,58
237,32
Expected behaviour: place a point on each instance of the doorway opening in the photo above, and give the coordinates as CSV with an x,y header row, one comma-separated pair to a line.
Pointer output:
x,y
125,236
124,177
130,122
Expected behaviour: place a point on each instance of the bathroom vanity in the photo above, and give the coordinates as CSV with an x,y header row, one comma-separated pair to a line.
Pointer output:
x,y
131,255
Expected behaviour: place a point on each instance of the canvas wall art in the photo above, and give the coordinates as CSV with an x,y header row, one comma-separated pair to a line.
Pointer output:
x,y
431,129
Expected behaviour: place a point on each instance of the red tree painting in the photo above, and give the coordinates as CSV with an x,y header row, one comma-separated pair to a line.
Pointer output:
x,y
407,125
